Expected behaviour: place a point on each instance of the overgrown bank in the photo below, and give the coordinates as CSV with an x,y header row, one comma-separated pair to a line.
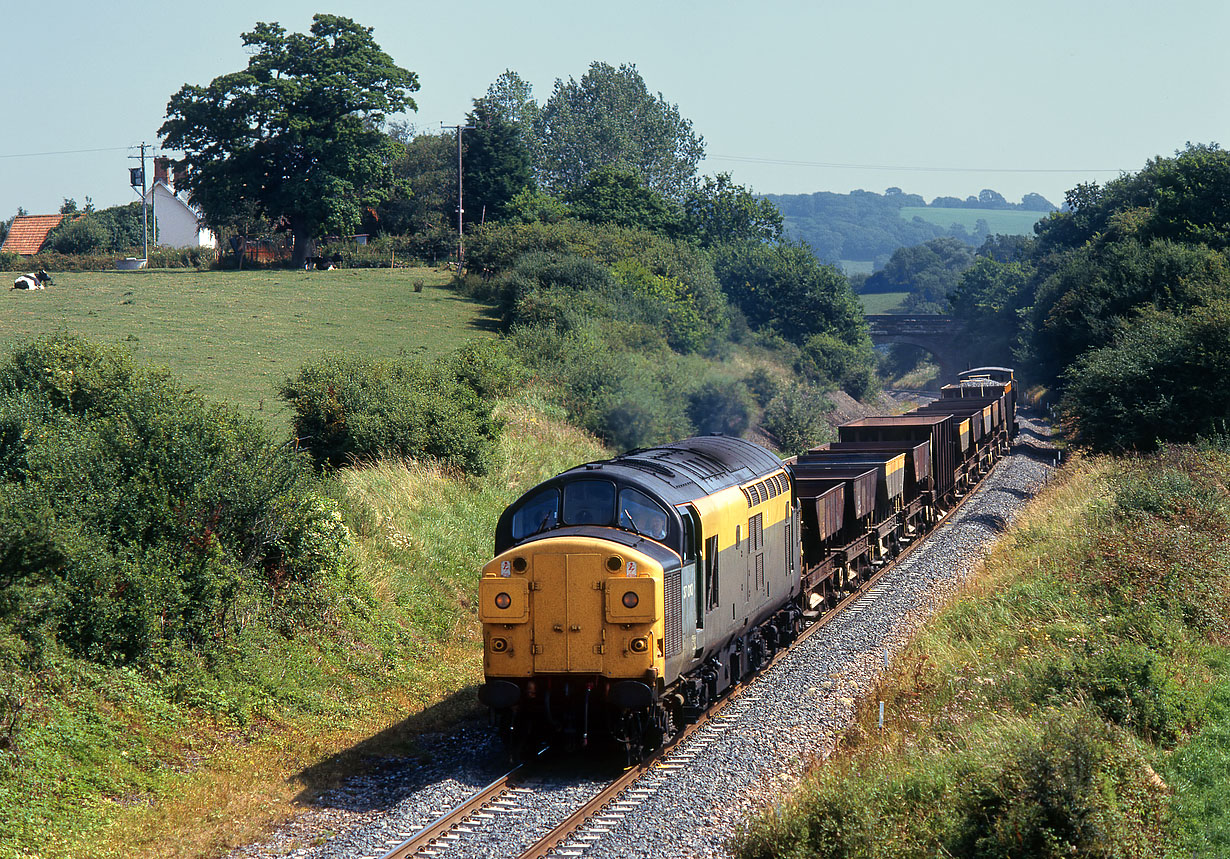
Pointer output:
x,y
1076,702
201,743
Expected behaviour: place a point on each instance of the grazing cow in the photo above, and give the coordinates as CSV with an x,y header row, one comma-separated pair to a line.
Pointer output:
x,y
34,280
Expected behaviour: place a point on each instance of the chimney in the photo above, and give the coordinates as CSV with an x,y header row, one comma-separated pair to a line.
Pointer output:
x,y
162,171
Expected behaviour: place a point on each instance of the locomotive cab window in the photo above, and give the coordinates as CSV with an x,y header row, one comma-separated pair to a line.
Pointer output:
x,y
540,513
640,513
589,502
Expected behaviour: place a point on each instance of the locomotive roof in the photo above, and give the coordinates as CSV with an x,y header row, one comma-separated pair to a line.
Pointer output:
x,y
685,470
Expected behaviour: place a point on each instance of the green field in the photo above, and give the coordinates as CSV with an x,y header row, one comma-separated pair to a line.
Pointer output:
x,y
882,302
1008,222
857,266
236,336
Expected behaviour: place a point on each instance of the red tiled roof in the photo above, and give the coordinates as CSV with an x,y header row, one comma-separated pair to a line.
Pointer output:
x,y
28,232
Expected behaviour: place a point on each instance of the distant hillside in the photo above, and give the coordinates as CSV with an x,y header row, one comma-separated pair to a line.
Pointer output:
x,y
860,230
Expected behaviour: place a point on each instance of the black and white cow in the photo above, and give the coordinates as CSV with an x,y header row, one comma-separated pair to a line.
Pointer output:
x,y
34,280
323,263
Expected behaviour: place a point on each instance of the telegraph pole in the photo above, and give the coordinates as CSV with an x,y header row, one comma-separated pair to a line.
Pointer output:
x,y
144,204
460,209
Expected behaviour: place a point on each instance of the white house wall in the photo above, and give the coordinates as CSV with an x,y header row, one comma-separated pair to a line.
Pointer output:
x,y
178,225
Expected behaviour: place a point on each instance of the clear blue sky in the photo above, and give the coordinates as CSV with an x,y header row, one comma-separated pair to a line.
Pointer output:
x,y
941,98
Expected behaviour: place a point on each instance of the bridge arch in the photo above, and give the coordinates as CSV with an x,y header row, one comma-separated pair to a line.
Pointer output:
x,y
942,336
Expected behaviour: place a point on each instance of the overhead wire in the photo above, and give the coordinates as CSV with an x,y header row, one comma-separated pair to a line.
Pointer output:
x,y
750,159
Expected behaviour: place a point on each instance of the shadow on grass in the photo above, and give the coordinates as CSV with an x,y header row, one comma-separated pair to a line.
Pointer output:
x,y
387,753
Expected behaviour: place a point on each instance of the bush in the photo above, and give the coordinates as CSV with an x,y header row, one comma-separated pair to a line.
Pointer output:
x,y
82,235
350,407
795,419
827,360
1163,378
133,514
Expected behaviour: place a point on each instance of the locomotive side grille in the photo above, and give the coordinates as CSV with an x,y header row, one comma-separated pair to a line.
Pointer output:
x,y
760,572
671,584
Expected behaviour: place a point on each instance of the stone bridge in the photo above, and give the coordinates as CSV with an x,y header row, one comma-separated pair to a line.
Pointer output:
x,y
942,336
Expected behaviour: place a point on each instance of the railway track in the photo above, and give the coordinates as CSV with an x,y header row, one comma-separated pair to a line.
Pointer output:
x,y
579,830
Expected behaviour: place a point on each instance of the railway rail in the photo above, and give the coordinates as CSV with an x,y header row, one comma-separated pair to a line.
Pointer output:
x,y
587,823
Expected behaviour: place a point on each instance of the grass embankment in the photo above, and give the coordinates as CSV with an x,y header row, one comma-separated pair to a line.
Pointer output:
x,y
236,336
1074,702
106,762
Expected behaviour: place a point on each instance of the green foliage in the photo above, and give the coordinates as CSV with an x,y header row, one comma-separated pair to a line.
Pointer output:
x,y
782,288
531,206
1086,295
1182,199
831,361
1050,799
1030,718
795,419
866,226
109,231
511,98
305,109
988,299
1161,378
614,195
79,236
655,283
423,200
928,272
134,516
497,165
719,211
350,407
609,119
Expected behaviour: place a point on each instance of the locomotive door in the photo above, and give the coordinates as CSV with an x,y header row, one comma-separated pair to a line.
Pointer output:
x,y
692,592
568,613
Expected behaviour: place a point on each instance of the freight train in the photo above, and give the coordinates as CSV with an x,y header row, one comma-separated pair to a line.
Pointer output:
x,y
627,595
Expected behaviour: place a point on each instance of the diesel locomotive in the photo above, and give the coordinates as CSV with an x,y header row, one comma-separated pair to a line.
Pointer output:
x,y
627,595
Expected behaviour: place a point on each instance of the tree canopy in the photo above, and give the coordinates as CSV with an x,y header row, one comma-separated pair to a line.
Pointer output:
x,y
609,119
295,135
497,164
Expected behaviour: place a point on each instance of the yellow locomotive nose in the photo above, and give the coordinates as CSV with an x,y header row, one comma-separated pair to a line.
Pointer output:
x,y
571,606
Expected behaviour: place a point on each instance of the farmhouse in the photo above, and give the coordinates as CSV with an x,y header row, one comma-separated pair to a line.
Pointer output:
x,y
176,223
28,233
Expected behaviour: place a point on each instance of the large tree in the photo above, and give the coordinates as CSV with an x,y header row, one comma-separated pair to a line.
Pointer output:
x,y
610,119
497,164
296,133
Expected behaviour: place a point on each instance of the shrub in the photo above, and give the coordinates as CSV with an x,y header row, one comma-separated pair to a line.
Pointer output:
x,y
350,407
795,419
1162,378
828,360
79,236
132,513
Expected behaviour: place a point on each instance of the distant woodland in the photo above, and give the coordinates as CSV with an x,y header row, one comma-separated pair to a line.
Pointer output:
x,y
860,230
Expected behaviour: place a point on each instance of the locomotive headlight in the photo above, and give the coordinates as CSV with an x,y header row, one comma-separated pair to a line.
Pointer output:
x,y
639,645
499,645
503,600
630,599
